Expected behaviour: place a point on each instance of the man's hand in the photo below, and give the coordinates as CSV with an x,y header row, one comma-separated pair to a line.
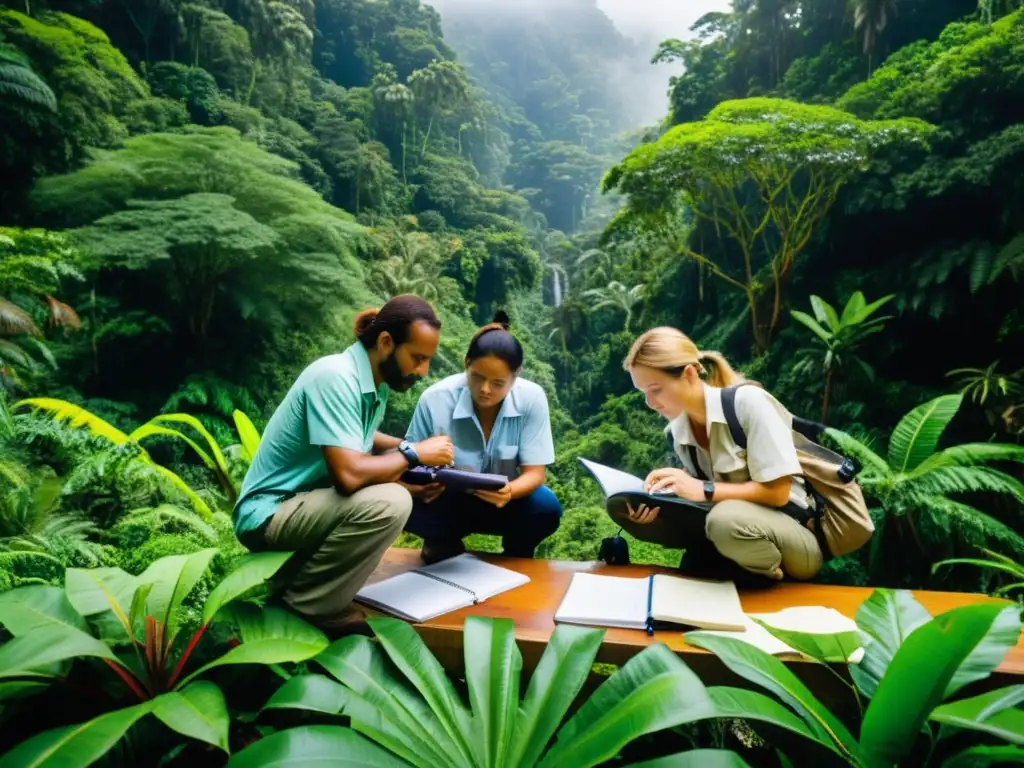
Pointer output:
x,y
498,498
425,493
643,514
675,481
436,451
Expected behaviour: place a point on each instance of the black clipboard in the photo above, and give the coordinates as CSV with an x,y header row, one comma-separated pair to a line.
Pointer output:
x,y
454,479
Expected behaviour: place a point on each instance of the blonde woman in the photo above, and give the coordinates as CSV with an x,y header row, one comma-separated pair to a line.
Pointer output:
x,y
760,501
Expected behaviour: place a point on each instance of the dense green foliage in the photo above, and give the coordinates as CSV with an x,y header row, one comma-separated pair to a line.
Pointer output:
x,y
198,195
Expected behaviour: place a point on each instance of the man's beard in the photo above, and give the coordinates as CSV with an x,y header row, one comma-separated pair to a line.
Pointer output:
x,y
393,375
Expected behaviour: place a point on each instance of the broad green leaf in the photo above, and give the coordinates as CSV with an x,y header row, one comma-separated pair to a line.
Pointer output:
x,y
198,711
26,608
269,636
248,435
313,745
557,680
982,757
198,504
886,618
173,578
316,693
866,311
76,416
252,570
385,707
44,645
825,313
917,435
652,691
75,745
696,758
917,679
804,319
753,664
742,704
410,654
149,429
837,647
137,614
995,713
854,305
493,668
990,652
96,592
12,690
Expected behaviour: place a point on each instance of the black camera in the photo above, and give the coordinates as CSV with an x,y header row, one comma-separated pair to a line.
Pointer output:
x,y
614,551
847,470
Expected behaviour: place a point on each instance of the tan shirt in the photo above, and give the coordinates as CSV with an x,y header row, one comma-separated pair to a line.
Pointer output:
x,y
770,452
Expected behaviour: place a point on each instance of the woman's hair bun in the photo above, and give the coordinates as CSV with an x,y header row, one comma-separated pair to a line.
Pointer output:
x,y
502,319
363,321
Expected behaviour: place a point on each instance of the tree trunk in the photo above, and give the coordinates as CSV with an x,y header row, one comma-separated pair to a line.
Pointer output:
x,y
426,139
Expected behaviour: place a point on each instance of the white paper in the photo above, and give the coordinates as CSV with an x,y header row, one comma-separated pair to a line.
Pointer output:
x,y
604,601
809,619
711,604
483,579
414,596
613,481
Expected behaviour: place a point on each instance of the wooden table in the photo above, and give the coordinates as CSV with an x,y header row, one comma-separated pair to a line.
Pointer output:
x,y
533,605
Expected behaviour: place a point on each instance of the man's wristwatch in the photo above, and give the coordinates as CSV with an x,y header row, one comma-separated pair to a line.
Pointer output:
x,y
709,490
406,449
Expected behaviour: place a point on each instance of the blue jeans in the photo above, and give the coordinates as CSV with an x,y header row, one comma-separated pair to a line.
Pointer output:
x,y
522,523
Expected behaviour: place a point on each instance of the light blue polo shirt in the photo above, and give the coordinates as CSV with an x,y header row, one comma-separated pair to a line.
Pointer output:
x,y
332,402
521,435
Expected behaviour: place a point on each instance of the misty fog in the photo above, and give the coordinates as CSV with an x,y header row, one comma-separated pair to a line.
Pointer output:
x,y
642,86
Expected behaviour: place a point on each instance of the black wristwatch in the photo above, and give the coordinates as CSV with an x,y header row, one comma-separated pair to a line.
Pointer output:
x,y
406,449
709,490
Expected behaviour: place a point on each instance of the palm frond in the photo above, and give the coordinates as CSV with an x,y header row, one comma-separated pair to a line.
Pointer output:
x,y
949,480
15,321
76,416
917,435
971,454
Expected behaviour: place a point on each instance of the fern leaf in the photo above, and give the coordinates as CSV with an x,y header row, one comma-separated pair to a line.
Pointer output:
x,y
965,516
247,434
198,504
157,517
21,82
76,416
874,465
1010,257
948,480
917,435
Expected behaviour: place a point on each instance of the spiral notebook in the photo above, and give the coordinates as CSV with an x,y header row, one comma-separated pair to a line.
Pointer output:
x,y
432,590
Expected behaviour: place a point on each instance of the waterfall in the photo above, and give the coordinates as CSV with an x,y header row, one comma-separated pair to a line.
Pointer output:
x,y
557,286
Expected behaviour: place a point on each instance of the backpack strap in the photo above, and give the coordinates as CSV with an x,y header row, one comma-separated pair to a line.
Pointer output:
x,y
692,450
729,408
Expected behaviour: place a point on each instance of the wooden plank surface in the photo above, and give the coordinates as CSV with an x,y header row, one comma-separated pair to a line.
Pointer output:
x,y
533,605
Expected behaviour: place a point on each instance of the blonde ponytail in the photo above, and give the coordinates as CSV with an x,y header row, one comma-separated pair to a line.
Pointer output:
x,y
671,350
719,372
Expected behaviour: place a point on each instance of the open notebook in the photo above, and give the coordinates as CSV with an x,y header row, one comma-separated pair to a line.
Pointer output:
x,y
621,488
432,590
651,601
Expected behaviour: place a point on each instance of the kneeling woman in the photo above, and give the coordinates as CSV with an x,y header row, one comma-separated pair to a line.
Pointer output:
x,y
498,423
758,495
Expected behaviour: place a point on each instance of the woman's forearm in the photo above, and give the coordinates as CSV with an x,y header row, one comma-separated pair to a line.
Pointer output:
x,y
529,480
773,494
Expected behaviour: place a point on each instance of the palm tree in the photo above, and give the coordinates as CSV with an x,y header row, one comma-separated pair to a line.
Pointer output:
x,y
842,335
615,295
441,85
596,266
19,82
567,321
914,485
412,267
870,18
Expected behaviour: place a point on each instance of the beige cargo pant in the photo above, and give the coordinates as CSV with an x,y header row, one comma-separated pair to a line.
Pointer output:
x,y
338,541
760,539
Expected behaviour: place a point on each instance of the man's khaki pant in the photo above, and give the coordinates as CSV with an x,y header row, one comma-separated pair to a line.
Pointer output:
x,y
759,539
338,541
